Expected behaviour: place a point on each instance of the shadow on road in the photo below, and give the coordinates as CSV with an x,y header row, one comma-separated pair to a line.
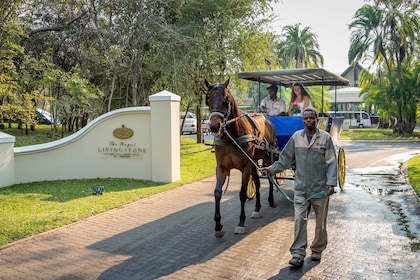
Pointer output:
x,y
291,273
185,238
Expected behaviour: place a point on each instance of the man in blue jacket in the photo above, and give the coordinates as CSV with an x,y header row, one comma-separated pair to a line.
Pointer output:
x,y
313,152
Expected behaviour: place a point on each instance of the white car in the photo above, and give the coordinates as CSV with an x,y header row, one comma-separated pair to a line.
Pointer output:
x,y
44,117
190,123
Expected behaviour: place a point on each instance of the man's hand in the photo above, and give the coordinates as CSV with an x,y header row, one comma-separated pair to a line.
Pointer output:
x,y
263,109
264,171
330,190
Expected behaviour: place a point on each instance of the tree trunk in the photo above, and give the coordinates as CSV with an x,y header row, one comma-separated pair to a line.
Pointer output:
x,y
198,116
111,94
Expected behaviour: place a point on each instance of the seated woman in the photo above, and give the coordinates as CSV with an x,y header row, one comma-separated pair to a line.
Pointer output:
x,y
300,100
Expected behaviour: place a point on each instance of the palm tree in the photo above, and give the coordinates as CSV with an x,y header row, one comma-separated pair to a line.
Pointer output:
x,y
387,33
299,47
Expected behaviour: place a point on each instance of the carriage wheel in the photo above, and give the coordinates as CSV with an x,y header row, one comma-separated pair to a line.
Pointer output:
x,y
341,167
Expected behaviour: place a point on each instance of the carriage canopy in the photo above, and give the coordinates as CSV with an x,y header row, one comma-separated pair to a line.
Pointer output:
x,y
287,77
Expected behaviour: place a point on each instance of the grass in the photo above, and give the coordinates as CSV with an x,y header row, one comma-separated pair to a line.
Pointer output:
x,y
41,134
375,134
32,208
413,166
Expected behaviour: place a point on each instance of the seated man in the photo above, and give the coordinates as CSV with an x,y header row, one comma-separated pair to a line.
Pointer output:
x,y
271,105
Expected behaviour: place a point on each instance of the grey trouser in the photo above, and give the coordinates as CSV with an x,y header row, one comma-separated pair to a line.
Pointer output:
x,y
302,210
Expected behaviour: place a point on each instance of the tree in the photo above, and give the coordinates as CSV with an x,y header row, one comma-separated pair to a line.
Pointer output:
x,y
9,50
387,33
132,49
216,39
299,47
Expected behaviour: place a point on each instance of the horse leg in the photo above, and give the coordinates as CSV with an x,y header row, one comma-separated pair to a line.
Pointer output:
x,y
240,228
271,201
256,180
268,160
221,177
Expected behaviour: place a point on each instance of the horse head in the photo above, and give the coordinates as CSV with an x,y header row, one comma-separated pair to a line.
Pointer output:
x,y
220,102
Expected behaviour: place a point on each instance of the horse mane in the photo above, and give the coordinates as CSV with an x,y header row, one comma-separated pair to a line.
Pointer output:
x,y
235,108
243,124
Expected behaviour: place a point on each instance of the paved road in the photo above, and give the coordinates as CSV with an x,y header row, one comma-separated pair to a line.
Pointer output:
x,y
170,235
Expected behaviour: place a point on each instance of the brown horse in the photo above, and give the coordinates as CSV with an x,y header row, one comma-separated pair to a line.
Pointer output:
x,y
241,142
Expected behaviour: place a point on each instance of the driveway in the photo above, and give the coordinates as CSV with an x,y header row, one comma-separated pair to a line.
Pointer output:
x,y
372,233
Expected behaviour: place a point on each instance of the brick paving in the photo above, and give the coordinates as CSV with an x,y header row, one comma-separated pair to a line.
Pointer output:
x,y
171,236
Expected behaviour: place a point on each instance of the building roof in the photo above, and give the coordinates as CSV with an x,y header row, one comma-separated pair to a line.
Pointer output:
x,y
350,68
347,95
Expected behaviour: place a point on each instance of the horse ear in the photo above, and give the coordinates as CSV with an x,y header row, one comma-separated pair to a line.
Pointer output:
x,y
227,83
206,83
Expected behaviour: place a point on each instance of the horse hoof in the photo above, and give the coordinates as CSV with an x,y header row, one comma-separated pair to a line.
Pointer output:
x,y
239,230
255,215
274,205
220,233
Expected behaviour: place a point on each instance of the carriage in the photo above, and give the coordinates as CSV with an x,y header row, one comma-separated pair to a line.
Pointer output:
x,y
248,141
286,126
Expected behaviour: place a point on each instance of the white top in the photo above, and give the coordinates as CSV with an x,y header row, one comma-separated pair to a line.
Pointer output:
x,y
273,107
301,104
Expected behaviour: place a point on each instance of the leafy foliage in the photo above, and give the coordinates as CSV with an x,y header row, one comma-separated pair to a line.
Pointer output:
x,y
413,167
387,33
299,47
79,59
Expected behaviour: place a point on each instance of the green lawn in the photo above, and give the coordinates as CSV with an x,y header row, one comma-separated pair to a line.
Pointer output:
x,y
28,209
413,166
375,134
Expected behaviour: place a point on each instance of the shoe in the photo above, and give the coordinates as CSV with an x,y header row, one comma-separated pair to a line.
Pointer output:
x,y
296,261
316,257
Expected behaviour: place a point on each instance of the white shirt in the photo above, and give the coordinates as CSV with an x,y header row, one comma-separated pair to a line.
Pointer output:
x,y
273,107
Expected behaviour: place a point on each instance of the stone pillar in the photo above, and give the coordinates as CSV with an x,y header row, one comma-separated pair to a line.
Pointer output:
x,y
165,136
7,160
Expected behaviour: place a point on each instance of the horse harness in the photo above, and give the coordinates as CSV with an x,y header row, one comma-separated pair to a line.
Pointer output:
x,y
254,137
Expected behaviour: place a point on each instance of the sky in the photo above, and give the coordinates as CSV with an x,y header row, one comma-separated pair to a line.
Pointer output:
x,y
328,19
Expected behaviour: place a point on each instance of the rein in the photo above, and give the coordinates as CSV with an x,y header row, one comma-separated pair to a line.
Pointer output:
x,y
315,195
271,177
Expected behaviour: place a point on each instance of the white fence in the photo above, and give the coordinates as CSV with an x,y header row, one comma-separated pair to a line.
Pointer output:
x,y
135,142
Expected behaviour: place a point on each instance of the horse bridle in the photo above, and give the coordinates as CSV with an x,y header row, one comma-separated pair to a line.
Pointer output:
x,y
224,115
